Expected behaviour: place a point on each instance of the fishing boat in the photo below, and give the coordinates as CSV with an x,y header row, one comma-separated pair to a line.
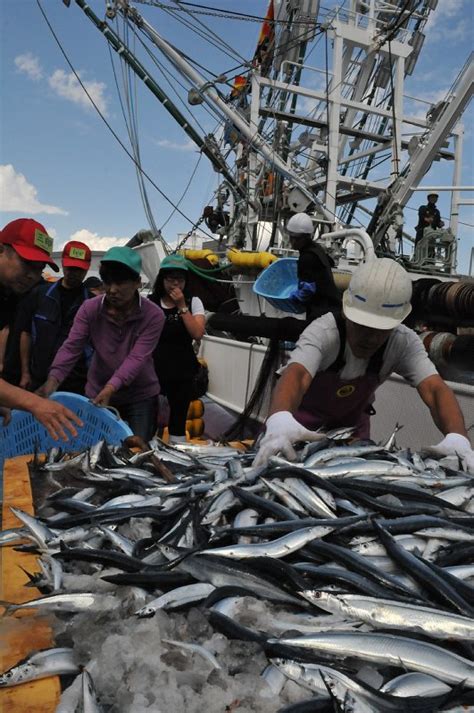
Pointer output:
x,y
316,121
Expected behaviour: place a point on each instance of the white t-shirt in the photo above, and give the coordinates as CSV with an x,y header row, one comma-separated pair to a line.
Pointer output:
x,y
318,347
197,306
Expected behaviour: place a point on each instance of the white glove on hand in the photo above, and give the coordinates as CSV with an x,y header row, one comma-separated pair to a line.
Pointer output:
x,y
456,445
282,430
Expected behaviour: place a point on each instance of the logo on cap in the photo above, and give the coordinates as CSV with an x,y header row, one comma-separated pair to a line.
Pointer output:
x,y
43,241
78,253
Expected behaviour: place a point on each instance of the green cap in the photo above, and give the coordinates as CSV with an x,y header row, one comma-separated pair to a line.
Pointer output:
x,y
128,257
174,262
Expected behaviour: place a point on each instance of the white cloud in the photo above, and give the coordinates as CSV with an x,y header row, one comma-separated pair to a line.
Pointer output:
x,y
17,195
440,22
68,87
30,65
96,241
176,146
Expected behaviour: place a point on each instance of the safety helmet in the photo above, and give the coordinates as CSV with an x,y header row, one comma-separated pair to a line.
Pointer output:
x,y
300,224
174,262
378,295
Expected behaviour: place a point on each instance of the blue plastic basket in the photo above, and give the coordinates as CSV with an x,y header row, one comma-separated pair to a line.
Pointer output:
x,y
277,282
24,433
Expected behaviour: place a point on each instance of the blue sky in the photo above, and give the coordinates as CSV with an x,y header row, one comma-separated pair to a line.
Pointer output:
x,y
61,165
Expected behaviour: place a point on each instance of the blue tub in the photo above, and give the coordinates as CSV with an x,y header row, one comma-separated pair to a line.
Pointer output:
x,y
24,433
277,282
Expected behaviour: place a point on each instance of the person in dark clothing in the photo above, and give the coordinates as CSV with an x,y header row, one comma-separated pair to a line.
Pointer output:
x,y
316,289
94,285
45,319
25,248
175,361
11,371
428,215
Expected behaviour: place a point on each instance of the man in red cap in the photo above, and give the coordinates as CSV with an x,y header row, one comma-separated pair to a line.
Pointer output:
x,y
46,316
25,248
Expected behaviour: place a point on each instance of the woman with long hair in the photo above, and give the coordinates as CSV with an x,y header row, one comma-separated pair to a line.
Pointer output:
x,y
176,363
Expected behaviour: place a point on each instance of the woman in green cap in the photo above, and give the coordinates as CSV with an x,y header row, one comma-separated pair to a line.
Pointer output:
x,y
175,361
123,328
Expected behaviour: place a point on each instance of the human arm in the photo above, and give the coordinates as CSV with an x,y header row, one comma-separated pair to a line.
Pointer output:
x,y
55,417
25,353
195,324
282,429
3,345
69,352
448,417
443,405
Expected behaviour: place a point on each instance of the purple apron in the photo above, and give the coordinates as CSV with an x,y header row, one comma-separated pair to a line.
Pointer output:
x,y
331,401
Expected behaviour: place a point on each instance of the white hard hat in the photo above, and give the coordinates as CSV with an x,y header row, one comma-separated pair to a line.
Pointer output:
x,y
300,223
378,295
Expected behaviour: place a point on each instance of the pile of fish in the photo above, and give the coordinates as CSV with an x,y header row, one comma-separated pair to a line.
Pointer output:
x,y
185,579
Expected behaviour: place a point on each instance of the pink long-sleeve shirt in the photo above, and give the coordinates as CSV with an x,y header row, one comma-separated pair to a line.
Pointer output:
x,y
122,352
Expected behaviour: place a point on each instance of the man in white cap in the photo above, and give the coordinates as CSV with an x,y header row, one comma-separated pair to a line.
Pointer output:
x,y
316,292
339,362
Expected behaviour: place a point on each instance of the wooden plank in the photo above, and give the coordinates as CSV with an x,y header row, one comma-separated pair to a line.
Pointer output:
x,y
24,632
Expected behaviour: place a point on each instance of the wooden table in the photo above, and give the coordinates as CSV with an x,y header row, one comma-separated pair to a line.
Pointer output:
x,y
22,633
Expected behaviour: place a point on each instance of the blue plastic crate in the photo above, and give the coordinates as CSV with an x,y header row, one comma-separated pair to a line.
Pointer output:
x,y
277,282
24,433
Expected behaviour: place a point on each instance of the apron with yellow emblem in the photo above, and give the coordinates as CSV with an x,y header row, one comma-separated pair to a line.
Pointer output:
x,y
332,401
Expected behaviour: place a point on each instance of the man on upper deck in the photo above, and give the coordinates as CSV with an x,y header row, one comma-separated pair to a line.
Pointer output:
x,y
25,248
428,216
339,362
316,291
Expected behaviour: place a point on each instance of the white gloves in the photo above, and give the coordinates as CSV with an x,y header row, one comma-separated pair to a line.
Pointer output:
x,y
282,430
455,444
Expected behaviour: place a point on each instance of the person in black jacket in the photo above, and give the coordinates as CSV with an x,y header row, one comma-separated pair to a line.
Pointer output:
x,y
316,289
428,216
46,317
25,248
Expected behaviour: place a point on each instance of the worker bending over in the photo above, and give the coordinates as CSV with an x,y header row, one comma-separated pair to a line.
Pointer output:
x,y
339,362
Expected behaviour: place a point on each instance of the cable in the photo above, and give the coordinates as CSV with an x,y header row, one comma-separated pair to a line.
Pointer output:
x,y
183,194
115,135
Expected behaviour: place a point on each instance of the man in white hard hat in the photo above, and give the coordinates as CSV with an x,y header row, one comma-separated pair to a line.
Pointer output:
x,y
339,362
316,292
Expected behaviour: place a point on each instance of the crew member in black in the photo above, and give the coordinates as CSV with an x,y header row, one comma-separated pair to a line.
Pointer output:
x,y
46,317
428,215
316,289
175,361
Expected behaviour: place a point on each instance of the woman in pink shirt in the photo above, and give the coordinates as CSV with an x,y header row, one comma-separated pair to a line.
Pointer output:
x,y
123,329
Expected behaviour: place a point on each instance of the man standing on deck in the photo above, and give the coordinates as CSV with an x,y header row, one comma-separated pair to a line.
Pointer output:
x,y
25,248
316,290
339,362
45,319
428,216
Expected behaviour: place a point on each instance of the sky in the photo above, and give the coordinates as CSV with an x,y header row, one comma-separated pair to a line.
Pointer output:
x,y
60,163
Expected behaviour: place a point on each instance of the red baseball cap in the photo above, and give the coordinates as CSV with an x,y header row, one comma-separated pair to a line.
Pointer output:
x,y
30,240
76,254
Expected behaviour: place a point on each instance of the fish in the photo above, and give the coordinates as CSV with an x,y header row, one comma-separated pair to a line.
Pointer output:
x,y
388,649
388,614
50,662
182,596
69,601
276,548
